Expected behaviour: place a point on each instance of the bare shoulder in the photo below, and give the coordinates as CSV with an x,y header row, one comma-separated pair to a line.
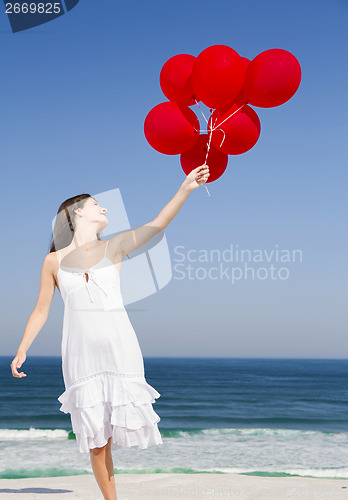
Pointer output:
x,y
50,268
51,260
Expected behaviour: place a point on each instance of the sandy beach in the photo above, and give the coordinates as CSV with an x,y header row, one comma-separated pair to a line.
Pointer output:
x,y
176,486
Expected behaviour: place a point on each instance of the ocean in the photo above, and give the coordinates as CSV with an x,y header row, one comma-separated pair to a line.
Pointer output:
x,y
262,417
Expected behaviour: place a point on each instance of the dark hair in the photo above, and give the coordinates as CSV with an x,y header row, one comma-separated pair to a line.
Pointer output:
x,y
64,226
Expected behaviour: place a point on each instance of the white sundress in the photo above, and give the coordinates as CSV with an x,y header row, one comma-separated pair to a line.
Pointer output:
x,y
106,392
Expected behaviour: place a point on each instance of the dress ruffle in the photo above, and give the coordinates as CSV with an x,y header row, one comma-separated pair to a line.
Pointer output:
x,y
111,404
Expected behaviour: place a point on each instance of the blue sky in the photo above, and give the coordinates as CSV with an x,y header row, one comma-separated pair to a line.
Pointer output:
x,y
75,93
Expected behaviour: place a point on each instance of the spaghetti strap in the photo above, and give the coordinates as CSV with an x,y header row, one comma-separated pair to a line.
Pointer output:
x,y
106,247
58,252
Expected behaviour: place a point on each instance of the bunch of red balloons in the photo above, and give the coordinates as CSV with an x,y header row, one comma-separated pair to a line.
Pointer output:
x,y
227,83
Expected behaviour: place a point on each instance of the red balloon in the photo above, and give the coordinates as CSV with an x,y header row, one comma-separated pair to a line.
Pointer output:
x,y
170,128
246,62
272,78
241,97
195,157
218,75
175,79
237,134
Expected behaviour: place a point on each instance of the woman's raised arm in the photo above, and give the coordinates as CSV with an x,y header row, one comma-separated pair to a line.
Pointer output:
x,y
129,241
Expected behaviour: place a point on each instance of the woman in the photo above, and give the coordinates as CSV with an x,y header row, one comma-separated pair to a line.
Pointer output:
x,y
106,393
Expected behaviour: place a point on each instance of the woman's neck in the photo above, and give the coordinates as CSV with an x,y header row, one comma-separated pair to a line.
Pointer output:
x,y
83,242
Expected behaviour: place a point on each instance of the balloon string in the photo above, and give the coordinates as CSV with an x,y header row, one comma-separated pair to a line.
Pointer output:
x,y
211,129
203,131
221,130
201,110
205,161
226,119
208,145
210,133
230,116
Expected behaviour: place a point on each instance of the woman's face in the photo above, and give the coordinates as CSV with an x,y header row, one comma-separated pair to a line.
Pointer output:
x,y
94,213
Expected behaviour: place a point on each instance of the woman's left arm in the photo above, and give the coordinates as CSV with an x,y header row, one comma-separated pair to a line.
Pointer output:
x,y
129,241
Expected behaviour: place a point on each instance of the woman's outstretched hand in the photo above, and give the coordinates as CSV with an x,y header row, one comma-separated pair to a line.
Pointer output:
x,y
197,177
17,363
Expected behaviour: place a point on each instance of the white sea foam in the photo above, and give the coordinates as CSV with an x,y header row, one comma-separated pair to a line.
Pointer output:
x,y
262,451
